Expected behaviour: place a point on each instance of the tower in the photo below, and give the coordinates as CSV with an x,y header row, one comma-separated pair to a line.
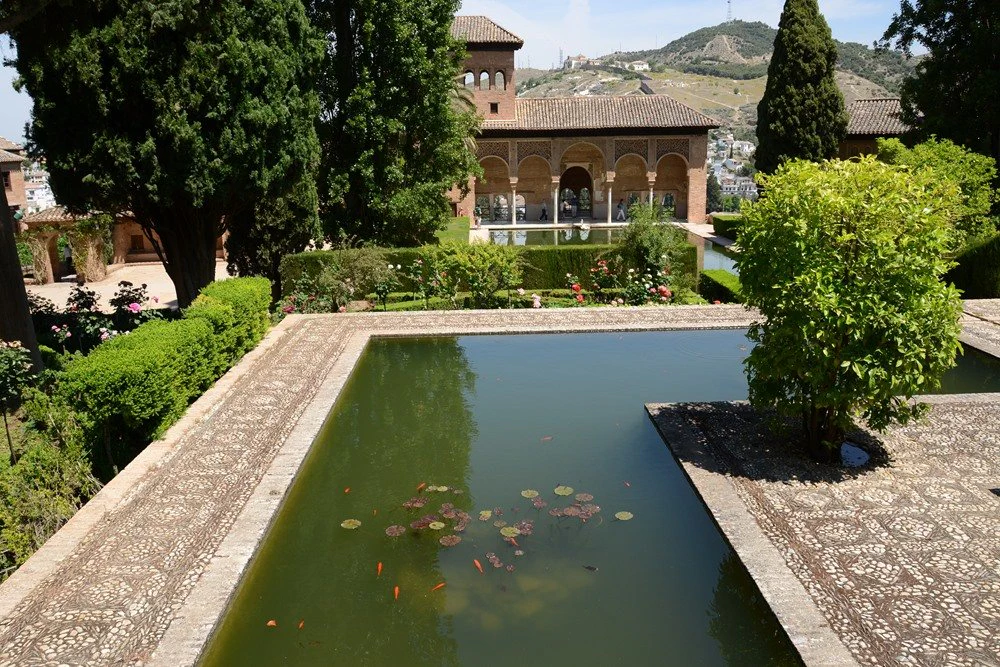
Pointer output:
x,y
729,11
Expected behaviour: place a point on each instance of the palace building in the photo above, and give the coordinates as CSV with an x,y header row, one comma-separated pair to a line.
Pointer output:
x,y
577,157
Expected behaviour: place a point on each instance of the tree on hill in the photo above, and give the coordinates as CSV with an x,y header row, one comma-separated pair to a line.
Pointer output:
x,y
802,112
183,112
393,132
953,93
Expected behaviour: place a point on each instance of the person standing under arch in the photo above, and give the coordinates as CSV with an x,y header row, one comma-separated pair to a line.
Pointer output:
x,y
621,211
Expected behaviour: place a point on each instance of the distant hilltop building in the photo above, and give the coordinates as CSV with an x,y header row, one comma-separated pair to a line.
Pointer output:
x,y
576,62
573,157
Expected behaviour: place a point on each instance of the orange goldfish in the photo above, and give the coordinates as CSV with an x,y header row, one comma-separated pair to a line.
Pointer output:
x,y
395,593
272,623
479,566
378,569
438,587
420,487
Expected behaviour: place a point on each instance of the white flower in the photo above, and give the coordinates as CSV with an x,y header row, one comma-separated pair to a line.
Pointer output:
x,y
520,291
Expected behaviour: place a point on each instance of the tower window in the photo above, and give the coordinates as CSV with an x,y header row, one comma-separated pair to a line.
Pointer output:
x,y
494,107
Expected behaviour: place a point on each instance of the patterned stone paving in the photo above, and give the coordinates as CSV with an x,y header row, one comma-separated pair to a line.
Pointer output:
x,y
902,557
113,596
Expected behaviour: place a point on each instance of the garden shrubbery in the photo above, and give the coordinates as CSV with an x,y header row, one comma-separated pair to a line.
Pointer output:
x,y
977,270
727,224
720,285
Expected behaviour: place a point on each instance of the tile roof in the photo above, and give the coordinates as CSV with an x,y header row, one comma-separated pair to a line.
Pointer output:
x,y
876,117
481,30
7,156
602,112
50,215
8,145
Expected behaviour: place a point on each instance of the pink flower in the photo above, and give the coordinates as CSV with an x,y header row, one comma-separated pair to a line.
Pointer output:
x,y
717,302
576,287
579,298
520,291
288,310
134,307
55,328
342,309
105,335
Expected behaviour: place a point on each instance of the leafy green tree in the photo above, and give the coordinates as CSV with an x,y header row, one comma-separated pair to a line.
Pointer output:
x,y
393,129
713,200
184,112
974,174
802,112
856,317
953,92
260,236
15,375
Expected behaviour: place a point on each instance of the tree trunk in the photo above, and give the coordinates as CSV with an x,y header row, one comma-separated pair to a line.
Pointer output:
x,y
187,245
823,436
15,318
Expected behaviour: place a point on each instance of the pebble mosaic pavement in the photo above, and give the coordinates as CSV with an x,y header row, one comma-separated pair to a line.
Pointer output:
x,y
902,557
112,596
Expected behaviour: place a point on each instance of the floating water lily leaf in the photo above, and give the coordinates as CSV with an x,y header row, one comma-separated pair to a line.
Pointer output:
x,y
485,515
572,510
623,516
519,552
584,497
430,489
442,489
450,540
509,531
350,524
395,531
499,523
539,503
529,493
436,525
564,490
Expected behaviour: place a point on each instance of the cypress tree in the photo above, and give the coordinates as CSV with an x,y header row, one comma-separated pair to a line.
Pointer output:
x,y
802,112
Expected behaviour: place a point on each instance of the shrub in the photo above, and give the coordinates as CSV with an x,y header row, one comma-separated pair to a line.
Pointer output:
x,y
485,269
720,285
250,299
727,224
221,317
15,376
977,270
844,260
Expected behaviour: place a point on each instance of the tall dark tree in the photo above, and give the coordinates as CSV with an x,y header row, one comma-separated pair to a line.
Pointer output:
x,y
261,235
184,112
802,112
394,139
954,91
713,200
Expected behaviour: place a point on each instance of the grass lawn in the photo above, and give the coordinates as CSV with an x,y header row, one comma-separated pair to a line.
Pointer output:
x,y
457,230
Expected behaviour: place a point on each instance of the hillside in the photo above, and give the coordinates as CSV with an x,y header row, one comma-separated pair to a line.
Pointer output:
x,y
742,50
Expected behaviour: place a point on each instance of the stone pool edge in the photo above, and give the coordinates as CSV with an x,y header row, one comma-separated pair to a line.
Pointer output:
x,y
809,631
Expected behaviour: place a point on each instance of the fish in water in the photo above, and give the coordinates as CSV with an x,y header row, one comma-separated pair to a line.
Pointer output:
x,y
438,587
592,568
395,593
479,566
378,569
420,487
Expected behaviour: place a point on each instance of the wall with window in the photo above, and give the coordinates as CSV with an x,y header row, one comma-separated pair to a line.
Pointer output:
x,y
488,74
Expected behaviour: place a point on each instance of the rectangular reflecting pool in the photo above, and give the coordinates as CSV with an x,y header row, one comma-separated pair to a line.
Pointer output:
x,y
431,434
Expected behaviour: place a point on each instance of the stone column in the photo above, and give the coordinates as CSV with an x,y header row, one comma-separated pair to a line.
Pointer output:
x,y
555,200
513,200
610,178
651,178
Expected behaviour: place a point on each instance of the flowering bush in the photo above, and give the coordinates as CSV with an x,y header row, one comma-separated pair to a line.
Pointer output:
x,y
648,287
15,375
387,283
82,300
131,305
433,273
603,277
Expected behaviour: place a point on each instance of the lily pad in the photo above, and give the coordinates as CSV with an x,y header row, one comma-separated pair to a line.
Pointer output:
x,y
584,497
529,493
624,516
350,524
431,489
450,540
499,523
436,525
509,531
485,515
395,531
564,490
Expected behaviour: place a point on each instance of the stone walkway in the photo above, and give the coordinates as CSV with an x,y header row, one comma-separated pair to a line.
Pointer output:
x,y
902,558
162,546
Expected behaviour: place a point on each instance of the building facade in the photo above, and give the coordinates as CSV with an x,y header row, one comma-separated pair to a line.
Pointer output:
x,y
574,158
869,120
11,159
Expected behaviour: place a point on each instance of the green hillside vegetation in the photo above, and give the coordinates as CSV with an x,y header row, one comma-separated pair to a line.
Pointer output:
x,y
741,50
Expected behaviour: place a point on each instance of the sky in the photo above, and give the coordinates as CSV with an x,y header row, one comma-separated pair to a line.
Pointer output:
x,y
590,27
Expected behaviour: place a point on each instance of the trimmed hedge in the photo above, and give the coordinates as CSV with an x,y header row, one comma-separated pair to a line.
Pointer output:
x,y
977,274
129,390
720,285
727,224
545,266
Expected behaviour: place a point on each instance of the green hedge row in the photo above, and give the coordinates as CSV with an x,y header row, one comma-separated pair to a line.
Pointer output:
x,y
978,271
727,224
129,390
720,285
545,266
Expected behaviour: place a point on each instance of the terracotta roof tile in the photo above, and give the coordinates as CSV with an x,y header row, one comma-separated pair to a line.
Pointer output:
x,y
876,117
8,145
601,112
7,156
481,30
50,215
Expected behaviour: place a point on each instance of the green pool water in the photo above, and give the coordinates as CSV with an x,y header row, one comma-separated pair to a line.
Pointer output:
x,y
491,417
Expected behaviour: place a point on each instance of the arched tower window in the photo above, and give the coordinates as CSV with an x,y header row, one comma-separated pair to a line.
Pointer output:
x,y
469,80
501,81
484,81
